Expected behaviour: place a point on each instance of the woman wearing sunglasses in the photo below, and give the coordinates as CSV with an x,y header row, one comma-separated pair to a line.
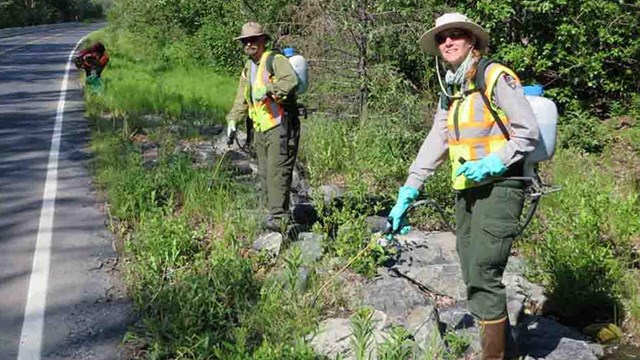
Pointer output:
x,y
486,131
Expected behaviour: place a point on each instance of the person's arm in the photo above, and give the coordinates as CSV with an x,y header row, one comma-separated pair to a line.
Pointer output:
x,y
239,109
509,96
104,59
432,152
286,78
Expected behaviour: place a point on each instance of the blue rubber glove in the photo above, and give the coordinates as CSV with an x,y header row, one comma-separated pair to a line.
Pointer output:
x,y
478,170
406,196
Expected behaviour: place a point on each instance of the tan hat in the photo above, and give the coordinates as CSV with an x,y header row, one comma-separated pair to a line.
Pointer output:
x,y
447,21
251,29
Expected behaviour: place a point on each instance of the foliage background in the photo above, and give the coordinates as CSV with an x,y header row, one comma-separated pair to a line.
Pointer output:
x,y
31,12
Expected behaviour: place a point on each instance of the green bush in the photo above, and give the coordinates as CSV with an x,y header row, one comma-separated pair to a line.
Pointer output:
x,y
584,132
585,235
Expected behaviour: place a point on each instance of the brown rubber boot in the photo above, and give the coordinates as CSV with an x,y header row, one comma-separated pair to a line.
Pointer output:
x,y
493,339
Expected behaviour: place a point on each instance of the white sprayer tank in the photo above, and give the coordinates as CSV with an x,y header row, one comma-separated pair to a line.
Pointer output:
x,y
300,66
546,113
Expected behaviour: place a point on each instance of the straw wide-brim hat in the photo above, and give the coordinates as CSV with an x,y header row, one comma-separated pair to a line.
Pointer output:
x,y
251,29
447,21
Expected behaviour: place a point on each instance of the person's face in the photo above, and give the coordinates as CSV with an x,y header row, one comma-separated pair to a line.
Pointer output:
x,y
252,45
454,45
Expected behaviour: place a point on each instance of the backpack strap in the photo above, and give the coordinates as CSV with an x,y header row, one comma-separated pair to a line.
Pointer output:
x,y
480,86
445,101
269,64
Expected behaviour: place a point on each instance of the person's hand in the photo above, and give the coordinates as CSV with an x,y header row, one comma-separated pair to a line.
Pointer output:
x,y
478,170
231,132
397,221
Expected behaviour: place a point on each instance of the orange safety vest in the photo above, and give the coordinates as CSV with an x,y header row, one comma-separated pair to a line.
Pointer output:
x,y
266,113
472,130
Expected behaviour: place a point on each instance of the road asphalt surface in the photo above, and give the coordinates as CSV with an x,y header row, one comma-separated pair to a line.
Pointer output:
x,y
60,293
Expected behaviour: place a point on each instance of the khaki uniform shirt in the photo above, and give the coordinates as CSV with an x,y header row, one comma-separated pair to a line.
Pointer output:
x,y
286,82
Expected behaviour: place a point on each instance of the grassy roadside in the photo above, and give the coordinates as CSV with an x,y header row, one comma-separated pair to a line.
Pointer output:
x,y
185,229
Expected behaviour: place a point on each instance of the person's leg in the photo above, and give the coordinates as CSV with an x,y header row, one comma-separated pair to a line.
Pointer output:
x,y
281,160
463,234
260,146
494,223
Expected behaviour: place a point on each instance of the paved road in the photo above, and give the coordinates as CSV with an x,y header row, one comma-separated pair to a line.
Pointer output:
x,y
85,315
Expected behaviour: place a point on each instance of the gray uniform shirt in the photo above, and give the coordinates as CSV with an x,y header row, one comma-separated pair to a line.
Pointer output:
x,y
509,97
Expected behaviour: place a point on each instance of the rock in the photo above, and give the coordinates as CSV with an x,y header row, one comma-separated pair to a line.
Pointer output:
x,y
333,338
431,261
311,247
376,223
330,193
536,299
515,307
459,321
429,248
204,153
245,167
456,317
422,322
522,295
233,151
516,265
299,185
403,304
269,243
543,338
212,130
394,296
442,279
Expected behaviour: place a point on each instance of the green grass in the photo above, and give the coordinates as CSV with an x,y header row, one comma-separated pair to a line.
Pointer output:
x,y
138,81
582,241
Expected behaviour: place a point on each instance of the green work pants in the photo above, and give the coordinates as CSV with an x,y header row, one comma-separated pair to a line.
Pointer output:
x,y
487,219
276,150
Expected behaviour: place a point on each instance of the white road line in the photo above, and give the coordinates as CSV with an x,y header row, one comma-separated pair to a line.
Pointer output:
x,y
33,325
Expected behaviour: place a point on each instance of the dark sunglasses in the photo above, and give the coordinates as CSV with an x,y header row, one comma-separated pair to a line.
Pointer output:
x,y
454,34
251,40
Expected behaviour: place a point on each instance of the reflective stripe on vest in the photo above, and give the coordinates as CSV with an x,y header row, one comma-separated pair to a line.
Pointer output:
x,y
472,130
265,113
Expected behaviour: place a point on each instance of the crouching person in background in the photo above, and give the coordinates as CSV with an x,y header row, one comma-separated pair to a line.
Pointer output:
x,y
92,59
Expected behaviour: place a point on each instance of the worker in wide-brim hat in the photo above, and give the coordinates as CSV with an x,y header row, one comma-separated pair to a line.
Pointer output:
x,y
486,127
266,96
